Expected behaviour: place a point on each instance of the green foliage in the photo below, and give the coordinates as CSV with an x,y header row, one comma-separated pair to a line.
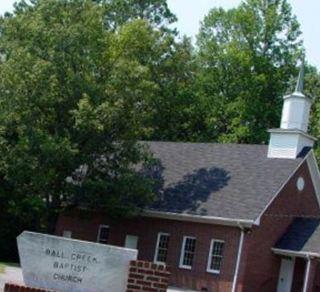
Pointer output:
x,y
119,12
246,58
73,96
17,213
173,113
81,81
312,90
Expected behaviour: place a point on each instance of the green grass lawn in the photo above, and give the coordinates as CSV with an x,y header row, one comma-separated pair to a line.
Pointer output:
x,y
4,265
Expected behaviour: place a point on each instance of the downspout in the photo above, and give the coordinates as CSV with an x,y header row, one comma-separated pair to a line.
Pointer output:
x,y
306,275
236,273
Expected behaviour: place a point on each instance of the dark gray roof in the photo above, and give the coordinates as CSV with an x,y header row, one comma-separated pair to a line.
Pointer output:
x,y
303,236
221,180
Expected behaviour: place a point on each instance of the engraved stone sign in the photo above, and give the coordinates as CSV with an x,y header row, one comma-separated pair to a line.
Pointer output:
x,y
65,264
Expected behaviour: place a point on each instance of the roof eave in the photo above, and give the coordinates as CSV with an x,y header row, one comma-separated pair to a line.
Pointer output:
x,y
292,131
301,254
244,223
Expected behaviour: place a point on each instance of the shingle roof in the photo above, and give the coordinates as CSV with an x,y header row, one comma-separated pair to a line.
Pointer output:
x,y
221,180
303,236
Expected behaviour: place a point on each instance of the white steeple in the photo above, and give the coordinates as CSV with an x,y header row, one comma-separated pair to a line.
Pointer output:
x,y
289,140
296,107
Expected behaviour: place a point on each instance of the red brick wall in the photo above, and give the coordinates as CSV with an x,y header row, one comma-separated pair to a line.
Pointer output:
x,y
312,285
298,274
18,288
146,276
262,265
147,229
316,285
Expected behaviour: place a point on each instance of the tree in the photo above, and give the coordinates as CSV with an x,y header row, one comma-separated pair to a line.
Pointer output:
x,y
173,110
73,97
247,56
312,90
16,215
172,113
156,12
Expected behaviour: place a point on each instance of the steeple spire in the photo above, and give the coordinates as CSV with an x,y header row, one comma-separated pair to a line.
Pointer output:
x,y
299,86
292,137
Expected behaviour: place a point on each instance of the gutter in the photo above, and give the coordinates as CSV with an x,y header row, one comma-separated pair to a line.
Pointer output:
x,y
306,275
236,273
300,254
200,219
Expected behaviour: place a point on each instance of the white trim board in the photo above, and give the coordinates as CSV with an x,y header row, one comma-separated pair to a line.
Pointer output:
x,y
209,260
99,232
314,173
238,262
198,218
306,276
300,254
183,248
156,252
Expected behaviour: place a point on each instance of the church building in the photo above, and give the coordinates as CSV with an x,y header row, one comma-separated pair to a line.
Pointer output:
x,y
228,217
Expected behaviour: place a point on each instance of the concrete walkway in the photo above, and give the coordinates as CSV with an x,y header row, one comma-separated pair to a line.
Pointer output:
x,y
11,275
172,289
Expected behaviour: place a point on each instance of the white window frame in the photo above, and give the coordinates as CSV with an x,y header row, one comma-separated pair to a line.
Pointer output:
x,y
181,265
67,233
99,233
156,252
209,270
132,236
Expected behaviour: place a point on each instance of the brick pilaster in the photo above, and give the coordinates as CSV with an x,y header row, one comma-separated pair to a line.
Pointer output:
x,y
147,276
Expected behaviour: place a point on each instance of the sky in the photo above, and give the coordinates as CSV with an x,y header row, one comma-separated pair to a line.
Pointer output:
x,y
191,12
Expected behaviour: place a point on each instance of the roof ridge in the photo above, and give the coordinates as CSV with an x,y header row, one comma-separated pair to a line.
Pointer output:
x,y
203,143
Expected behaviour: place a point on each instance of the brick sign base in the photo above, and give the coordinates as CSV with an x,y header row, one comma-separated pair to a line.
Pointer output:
x,y
18,288
146,276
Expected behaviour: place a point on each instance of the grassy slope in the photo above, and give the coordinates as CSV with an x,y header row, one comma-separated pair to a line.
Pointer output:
x,y
4,265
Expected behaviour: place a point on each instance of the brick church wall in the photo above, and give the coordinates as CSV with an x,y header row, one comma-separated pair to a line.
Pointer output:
x,y
259,269
147,230
262,265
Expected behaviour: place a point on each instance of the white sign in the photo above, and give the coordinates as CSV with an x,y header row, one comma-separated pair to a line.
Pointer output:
x,y
64,264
